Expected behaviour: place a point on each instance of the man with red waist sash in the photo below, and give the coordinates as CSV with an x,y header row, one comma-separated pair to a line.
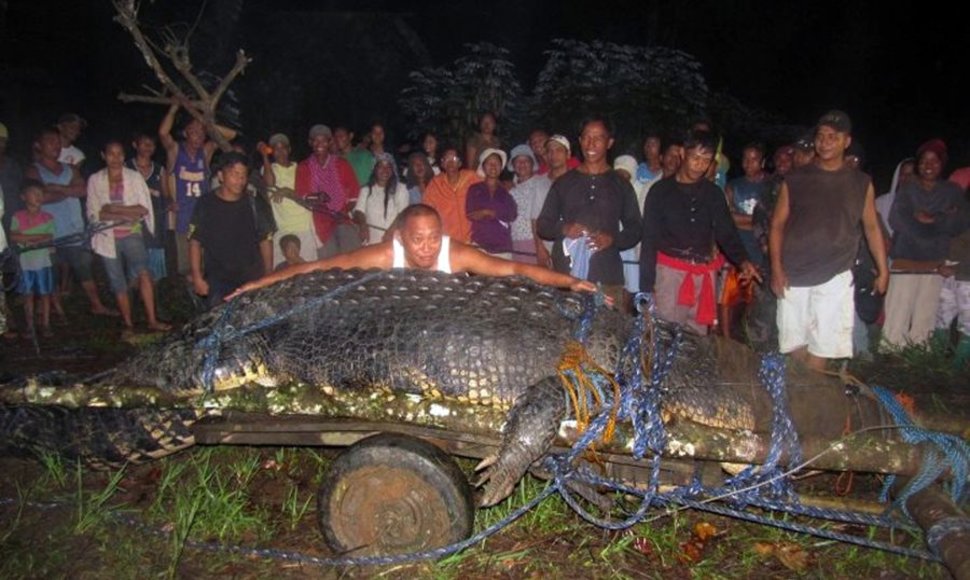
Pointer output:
x,y
685,221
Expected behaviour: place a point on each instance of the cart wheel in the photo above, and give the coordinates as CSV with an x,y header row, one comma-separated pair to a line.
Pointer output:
x,y
394,494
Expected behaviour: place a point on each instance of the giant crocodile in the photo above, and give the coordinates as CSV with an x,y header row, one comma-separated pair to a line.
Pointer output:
x,y
456,351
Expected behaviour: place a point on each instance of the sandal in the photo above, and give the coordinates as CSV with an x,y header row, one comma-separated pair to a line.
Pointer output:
x,y
160,326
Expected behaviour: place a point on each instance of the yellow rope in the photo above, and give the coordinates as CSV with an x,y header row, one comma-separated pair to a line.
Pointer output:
x,y
575,366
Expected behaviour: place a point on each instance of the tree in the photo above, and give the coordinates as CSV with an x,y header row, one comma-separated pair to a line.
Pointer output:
x,y
183,85
450,100
638,88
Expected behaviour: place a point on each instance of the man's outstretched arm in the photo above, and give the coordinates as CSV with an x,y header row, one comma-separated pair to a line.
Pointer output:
x,y
466,258
376,256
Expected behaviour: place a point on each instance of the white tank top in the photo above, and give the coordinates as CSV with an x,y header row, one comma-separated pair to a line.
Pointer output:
x,y
444,256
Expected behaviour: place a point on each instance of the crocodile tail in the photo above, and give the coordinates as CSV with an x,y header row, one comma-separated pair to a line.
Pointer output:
x,y
100,437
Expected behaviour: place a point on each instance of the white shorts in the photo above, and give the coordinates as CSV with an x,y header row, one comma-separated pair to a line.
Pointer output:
x,y
818,317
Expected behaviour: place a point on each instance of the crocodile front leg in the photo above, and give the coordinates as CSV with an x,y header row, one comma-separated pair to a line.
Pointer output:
x,y
527,436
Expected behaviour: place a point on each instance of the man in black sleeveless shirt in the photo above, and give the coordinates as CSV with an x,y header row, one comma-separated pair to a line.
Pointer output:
x,y
813,242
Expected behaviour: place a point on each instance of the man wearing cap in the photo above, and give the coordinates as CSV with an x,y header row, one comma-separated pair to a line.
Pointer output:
x,y
584,211
813,244
529,193
292,218
70,125
803,151
187,163
327,175
559,157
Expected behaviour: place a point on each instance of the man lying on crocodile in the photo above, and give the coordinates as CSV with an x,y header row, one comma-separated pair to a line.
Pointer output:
x,y
419,244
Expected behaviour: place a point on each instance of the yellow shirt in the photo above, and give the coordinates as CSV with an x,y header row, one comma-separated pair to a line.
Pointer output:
x,y
290,216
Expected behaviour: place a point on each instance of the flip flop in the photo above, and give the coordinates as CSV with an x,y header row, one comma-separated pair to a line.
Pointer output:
x,y
160,327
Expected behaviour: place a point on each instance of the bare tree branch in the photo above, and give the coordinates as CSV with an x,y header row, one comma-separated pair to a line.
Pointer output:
x,y
153,90
158,99
203,104
179,55
128,19
241,61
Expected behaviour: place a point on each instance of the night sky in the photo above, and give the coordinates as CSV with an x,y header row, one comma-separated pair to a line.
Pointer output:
x,y
896,70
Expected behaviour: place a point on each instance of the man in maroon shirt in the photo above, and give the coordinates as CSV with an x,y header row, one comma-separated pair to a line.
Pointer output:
x,y
323,173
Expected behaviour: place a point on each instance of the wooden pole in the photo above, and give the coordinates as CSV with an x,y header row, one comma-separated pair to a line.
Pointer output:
x,y
932,506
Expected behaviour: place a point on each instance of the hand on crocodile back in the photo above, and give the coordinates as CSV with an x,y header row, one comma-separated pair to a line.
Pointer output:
x,y
418,243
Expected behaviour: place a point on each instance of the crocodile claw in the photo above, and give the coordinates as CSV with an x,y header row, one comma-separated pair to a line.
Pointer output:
x,y
530,430
499,477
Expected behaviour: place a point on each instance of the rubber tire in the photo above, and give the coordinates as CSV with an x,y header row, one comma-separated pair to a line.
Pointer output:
x,y
394,494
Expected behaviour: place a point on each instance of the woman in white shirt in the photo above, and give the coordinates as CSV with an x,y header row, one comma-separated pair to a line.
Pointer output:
x,y
380,201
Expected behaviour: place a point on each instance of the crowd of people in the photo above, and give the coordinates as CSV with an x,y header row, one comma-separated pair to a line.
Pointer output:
x,y
805,223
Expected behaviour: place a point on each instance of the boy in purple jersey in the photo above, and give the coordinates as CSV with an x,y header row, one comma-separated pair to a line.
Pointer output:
x,y
188,168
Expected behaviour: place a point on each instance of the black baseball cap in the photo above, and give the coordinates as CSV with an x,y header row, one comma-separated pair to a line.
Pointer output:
x,y
835,119
805,143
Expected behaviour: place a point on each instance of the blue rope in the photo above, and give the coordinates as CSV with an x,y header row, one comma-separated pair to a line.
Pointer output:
x,y
946,451
644,406
641,402
943,528
784,438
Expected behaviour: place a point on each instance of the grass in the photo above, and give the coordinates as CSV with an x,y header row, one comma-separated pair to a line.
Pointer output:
x,y
54,469
213,501
214,494
293,508
923,366
92,507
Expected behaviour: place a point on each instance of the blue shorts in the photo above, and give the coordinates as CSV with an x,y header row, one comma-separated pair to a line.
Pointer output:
x,y
131,250
38,282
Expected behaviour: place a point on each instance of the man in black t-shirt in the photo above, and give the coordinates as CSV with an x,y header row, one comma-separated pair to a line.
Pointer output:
x,y
234,232
584,211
